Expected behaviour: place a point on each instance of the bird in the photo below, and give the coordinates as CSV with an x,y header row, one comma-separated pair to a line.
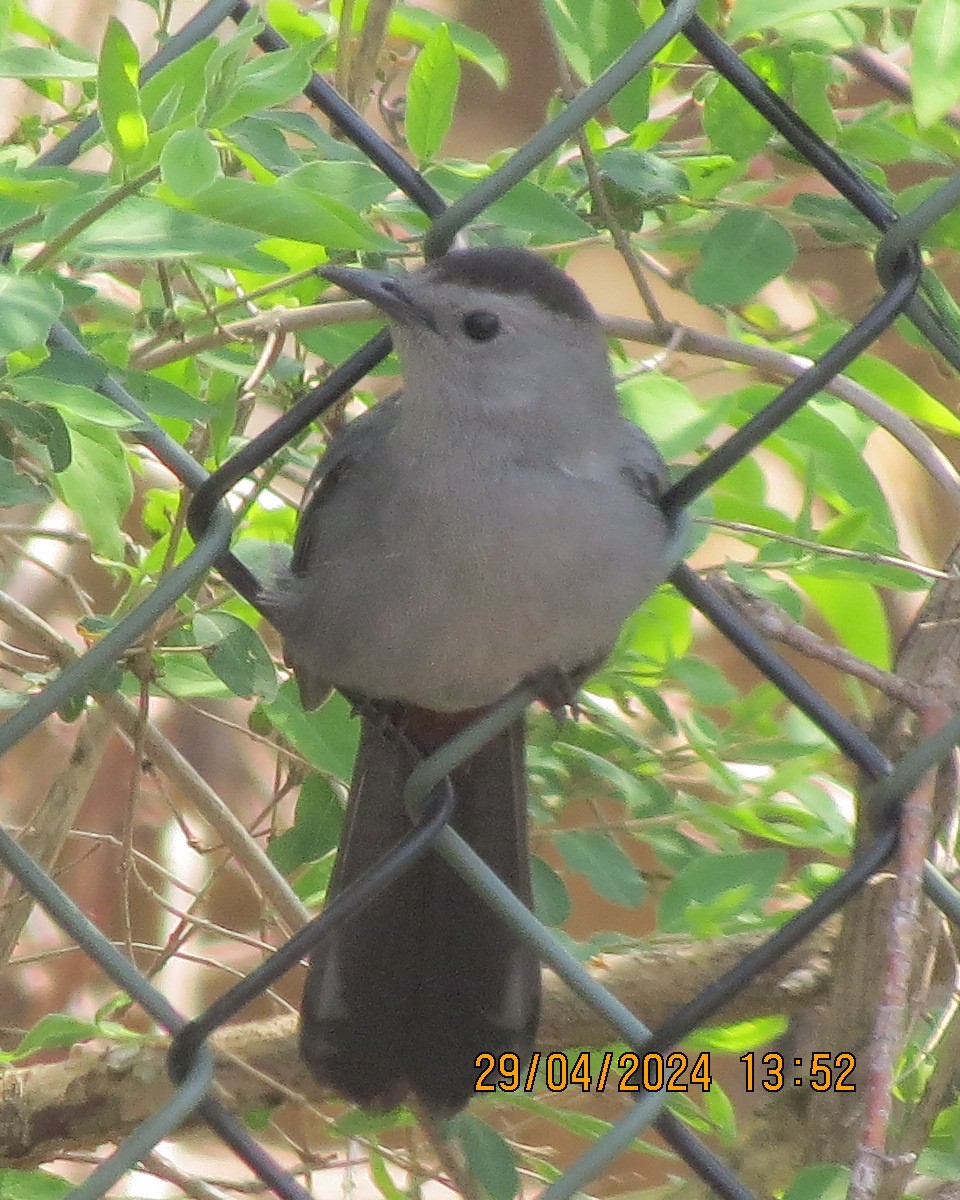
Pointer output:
x,y
492,523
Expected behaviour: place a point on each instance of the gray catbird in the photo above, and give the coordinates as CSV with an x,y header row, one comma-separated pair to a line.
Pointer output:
x,y
494,523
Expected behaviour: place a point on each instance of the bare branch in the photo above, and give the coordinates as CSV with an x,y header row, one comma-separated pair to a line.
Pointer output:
x,y
166,758
102,1091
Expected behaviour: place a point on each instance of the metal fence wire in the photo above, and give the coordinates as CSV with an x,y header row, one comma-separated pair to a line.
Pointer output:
x,y
191,1063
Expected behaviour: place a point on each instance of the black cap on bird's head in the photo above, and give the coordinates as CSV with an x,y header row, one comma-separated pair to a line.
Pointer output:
x,y
513,272
504,270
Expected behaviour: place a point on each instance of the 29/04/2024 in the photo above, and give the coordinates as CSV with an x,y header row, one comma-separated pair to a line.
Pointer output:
x,y
629,1072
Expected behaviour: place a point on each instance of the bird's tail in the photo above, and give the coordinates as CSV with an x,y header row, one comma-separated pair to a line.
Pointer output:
x,y
403,998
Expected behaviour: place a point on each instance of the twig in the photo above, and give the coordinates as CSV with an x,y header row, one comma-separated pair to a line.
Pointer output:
x,y
52,821
166,758
598,193
876,66
784,365
163,1168
344,47
52,249
884,560
363,65
886,1043
273,321
773,622
692,341
42,1103
215,311
210,962
66,579
620,237
450,1161
13,529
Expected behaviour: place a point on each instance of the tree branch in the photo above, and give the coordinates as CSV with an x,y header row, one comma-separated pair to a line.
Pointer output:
x,y
102,1091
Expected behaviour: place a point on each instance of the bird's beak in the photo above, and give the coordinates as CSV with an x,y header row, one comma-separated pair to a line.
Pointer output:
x,y
380,288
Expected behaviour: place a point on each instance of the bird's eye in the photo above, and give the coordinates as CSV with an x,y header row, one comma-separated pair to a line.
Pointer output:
x,y
481,325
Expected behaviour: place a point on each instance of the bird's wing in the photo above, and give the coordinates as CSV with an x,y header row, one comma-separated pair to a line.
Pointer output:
x,y
362,436
281,600
643,464
647,472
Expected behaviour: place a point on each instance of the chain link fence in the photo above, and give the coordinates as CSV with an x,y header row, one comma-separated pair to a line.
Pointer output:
x,y
191,1062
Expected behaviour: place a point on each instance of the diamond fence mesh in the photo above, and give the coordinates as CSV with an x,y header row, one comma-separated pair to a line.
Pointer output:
x,y
885,783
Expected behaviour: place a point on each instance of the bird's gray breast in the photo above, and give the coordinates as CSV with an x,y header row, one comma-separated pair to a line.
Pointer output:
x,y
446,592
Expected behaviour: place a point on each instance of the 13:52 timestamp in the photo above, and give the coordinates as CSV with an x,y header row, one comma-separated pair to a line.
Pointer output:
x,y
822,1073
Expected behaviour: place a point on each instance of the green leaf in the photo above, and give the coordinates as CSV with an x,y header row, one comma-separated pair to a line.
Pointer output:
x,y
190,677
705,682
732,124
879,137
189,162
38,62
629,787
764,14
72,398
826,1181
811,74
940,1164
312,883
597,856
38,185
55,438
432,94
356,1122
380,1173
416,25
710,174
315,831
162,398
236,654
551,900
176,93
297,25
739,1036
279,210
661,629
582,1124
855,612
653,180
32,1185
30,306
835,219
263,82
258,1119
593,34
118,93
714,888
261,139
141,228
65,369
526,207
670,413
720,1112
221,72
489,1159
824,443
358,184
40,424
935,64
19,489
741,254
326,737
904,393
97,485
52,1032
